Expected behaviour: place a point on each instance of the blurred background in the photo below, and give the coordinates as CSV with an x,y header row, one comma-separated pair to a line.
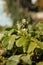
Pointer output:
x,y
13,10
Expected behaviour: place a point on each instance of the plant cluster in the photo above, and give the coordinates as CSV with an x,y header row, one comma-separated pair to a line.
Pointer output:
x,y
22,44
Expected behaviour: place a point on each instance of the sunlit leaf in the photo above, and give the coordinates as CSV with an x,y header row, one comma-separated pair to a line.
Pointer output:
x,y
11,42
26,59
31,47
25,46
21,41
13,60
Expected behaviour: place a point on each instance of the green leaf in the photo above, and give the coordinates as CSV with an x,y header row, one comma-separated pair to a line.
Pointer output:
x,y
5,41
40,25
13,60
25,46
21,41
26,59
40,63
11,42
10,32
8,42
31,47
40,44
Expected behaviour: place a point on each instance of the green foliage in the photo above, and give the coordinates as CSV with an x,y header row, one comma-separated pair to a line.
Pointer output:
x,y
22,42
